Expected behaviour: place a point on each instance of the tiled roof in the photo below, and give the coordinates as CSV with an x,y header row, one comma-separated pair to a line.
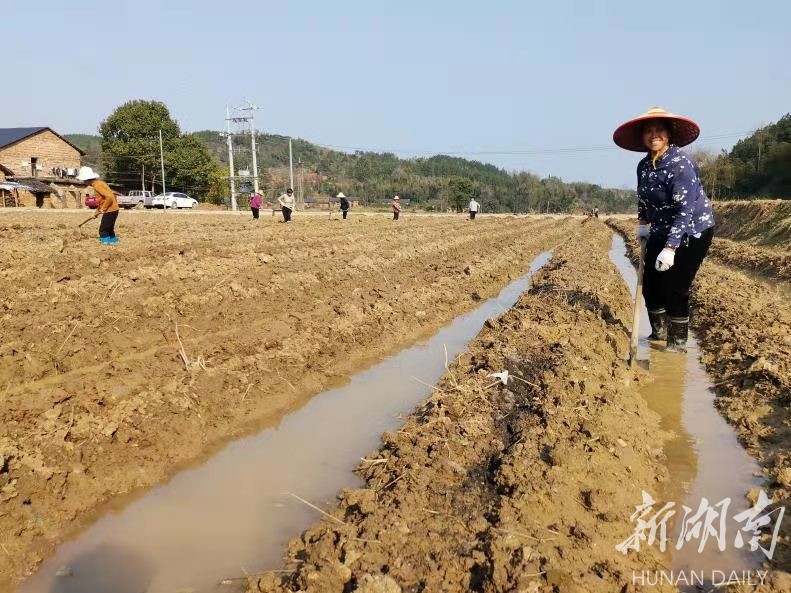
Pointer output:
x,y
11,135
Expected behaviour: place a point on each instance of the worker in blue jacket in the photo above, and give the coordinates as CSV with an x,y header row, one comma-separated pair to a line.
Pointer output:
x,y
675,218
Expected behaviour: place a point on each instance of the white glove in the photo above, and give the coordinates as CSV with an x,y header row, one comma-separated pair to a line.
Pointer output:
x,y
643,231
665,259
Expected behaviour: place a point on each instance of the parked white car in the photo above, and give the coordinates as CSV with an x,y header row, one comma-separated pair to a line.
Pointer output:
x,y
173,199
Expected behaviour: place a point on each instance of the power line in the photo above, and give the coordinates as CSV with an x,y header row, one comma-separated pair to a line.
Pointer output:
x,y
513,151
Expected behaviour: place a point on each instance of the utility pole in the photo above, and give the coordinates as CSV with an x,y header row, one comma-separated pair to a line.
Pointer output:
x,y
290,164
252,142
162,162
302,184
232,172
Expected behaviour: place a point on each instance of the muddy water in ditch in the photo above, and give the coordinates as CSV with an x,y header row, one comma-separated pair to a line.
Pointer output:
x,y
704,457
234,514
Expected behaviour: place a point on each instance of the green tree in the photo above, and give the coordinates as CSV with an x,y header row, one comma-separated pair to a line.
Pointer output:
x,y
190,167
460,192
130,140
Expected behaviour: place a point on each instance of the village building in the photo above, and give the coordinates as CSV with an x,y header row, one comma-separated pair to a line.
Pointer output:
x,y
45,164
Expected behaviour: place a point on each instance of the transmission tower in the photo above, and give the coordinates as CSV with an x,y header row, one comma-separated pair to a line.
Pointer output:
x,y
242,119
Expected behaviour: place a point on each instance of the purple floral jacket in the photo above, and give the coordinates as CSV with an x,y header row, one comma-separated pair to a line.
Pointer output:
x,y
670,197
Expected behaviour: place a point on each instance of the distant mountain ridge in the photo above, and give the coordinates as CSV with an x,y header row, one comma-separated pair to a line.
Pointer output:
x,y
376,177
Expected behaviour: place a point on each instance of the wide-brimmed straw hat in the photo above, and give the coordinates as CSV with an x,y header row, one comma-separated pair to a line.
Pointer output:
x,y
340,195
629,135
86,174
396,198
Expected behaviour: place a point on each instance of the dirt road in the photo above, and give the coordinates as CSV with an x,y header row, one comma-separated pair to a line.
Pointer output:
x,y
118,366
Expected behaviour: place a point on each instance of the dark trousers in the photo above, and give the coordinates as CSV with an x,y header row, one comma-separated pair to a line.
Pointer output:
x,y
107,225
255,212
344,212
395,214
286,214
472,214
669,291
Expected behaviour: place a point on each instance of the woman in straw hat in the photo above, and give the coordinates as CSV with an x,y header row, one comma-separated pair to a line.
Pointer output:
x,y
396,206
343,203
108,205
675,218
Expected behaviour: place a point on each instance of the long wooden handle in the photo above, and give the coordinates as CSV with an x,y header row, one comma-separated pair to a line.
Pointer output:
x,y
638,293
86,221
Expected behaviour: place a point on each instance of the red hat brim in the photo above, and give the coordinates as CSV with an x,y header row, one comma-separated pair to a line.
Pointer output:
x,y
629,135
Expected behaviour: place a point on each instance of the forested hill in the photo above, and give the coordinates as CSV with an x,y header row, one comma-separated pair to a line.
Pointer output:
x,y
437,182
757,166
376,177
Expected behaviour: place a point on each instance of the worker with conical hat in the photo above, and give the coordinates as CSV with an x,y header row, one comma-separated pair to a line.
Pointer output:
x,y
675,218
343,204
108,205
396,206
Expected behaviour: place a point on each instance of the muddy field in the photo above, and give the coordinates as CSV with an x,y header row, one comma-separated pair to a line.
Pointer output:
x,y
500,488
120,365
743,322
526,487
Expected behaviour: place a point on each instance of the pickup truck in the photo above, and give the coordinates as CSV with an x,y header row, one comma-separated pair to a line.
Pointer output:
x,y
136,198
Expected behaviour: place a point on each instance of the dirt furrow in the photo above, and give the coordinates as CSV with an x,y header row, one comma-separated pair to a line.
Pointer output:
x,y
96,397
744,329
520,487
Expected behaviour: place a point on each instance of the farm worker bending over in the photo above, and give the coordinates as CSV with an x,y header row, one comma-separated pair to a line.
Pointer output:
x,y
675,217
255,204
396,205
474,207
344,204
108,205
286,201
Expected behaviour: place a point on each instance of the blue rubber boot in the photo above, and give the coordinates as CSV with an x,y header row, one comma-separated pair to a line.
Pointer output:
x,y
113,240
106,240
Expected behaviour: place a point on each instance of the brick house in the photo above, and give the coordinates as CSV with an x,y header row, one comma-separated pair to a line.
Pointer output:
x,y
44,161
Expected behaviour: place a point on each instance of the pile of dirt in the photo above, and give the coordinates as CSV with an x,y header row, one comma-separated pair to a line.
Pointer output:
x,y
743,326
120,365
520,487
764,222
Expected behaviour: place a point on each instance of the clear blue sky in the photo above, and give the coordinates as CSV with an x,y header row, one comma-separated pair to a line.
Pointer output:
x,y
410,76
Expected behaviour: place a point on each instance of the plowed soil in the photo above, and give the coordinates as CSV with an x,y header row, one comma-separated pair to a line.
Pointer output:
x,y
120,365
518,487
743,324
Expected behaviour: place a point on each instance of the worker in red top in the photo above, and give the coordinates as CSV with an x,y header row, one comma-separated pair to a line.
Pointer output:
x,y
108,205
396,207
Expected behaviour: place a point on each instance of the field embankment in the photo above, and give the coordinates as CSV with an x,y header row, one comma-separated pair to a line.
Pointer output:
x,y
762,222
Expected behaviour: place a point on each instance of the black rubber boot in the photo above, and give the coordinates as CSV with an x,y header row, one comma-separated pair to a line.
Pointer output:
x,y
677,334
658,320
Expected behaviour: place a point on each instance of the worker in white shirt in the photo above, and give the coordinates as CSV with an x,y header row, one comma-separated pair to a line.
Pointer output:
x,y
286,202
474,207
